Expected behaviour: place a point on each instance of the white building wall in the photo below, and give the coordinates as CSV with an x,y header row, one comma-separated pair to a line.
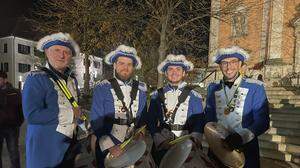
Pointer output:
x,y
8,56
13,57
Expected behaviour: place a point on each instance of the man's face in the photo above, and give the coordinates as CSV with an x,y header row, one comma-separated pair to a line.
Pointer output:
x,y
59,57
124,67
2,82
230,67
175,74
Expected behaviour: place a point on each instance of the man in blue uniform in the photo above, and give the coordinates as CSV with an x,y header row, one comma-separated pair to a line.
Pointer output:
x,y
119,104
176,109
239,104
50,116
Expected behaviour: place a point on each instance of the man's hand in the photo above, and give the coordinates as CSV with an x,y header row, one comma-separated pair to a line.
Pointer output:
x,y
139,136
115,151
164,145
197,142
77,111
233,141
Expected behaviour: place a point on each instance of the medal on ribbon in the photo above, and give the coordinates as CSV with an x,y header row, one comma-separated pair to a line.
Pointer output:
x,y
123,110
228,110
230,103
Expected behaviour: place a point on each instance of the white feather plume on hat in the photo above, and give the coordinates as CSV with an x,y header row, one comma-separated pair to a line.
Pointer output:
x,y
64,37
233,51
172,59
123,50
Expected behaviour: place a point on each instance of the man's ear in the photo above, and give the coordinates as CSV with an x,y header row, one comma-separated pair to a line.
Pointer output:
x,y
184,73
46,51
241,63
166,74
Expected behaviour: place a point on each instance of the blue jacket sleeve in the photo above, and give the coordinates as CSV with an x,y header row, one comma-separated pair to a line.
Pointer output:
x,y
142,115
39,101
196,119
97,111
260,112
152,115
210,107
142,120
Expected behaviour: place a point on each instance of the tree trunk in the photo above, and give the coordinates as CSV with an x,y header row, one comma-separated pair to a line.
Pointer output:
x,y
162,51
86,86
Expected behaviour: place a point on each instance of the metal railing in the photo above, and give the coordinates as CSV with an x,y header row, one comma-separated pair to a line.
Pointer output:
x,y
200,83
292,79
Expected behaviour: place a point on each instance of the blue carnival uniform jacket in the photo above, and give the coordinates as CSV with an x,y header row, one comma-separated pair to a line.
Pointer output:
x,y
250,117
189,114
50,120
106,105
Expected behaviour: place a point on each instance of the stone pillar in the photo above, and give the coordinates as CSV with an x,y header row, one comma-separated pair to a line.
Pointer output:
x,y
214,29
275,50
265,30
297,45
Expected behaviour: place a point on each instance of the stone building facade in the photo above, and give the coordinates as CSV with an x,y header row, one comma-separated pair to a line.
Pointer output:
x,y
268,29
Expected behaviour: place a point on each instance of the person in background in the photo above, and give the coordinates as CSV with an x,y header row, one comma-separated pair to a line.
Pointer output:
x,y
11,119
